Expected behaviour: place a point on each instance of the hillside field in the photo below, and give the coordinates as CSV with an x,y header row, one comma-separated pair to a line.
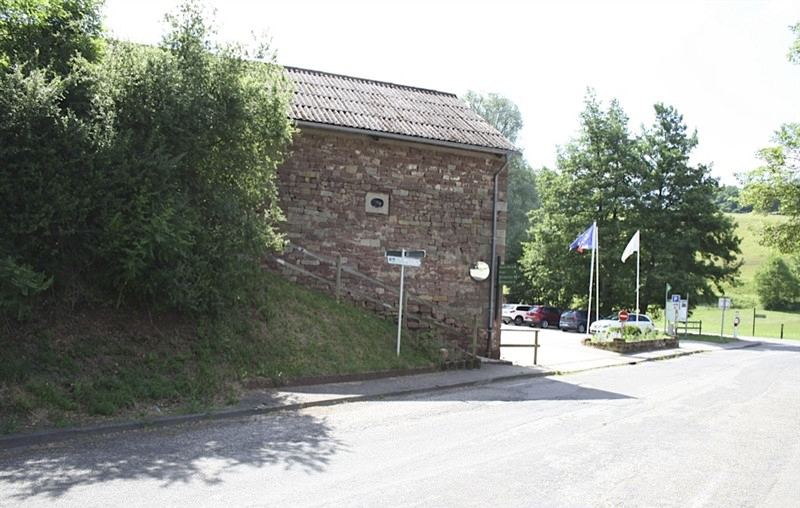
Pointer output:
x,y
743,296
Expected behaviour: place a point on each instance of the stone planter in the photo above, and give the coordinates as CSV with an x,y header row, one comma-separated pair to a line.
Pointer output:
x,y
621,346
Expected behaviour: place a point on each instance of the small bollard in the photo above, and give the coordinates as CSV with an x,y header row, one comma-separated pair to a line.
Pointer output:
x,y
535,347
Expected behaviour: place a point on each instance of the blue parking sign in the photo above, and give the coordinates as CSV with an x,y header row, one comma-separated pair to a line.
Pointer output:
x,y
676,298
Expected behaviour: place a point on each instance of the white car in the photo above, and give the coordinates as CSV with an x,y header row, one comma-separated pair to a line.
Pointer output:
x,y
639,320
514,312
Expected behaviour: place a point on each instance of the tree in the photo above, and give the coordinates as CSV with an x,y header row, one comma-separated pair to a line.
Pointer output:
x,y
48,34
693,247
778,180
625,184
523,195
500,112
191,204
728,199
50,134
777,285
146,177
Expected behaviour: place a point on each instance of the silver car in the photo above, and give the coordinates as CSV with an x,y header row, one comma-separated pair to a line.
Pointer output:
x,y
642,321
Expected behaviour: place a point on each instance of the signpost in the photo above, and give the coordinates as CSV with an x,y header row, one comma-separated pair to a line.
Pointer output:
x,y
723,303
755,316
676,309
403,258
507,274
623,316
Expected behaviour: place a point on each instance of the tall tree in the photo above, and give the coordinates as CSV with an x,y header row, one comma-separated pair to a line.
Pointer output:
x,y
625,184
692,243
523,195
50,134
50,33
157,187
778,180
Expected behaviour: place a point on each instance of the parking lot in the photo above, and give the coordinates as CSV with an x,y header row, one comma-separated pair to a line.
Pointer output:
x,y
556,348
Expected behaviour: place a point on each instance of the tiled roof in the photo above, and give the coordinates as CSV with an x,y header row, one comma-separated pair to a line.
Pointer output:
x,y
354,103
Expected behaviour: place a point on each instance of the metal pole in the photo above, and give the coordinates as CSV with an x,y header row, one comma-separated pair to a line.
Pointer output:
x,y
597,281
722,326
638,250
400,310
754,322
535,346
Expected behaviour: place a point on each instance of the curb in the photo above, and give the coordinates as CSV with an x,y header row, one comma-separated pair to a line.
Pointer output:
x,y
54,436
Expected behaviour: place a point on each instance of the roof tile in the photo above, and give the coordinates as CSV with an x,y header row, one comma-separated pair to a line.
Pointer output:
x,y
357,103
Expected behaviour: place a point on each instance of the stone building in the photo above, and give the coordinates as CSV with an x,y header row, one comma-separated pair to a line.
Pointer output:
x,y
377,167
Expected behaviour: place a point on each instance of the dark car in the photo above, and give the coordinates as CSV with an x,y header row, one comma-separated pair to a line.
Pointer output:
x,y
574,320
542,315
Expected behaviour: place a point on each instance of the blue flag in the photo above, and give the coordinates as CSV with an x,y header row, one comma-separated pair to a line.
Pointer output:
x,y
585,240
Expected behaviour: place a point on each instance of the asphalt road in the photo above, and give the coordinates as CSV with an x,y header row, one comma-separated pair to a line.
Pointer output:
x,y
711,429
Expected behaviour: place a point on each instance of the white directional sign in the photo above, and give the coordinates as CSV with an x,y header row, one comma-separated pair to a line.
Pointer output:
x,y
404,258
399,260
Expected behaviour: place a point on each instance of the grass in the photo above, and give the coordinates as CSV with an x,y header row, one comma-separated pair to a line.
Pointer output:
x,y
94,366
744,296
754,255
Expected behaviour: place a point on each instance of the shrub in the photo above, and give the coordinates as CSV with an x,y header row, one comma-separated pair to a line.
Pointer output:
x,y
777,285
19,285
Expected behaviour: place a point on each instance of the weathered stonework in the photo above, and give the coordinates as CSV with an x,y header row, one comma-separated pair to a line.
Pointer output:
x,y
440,199
635,346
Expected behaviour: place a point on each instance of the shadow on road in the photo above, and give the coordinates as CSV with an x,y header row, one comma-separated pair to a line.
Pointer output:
x,y
188,453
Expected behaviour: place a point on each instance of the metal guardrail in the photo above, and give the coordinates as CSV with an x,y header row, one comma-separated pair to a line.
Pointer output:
x,y
535,344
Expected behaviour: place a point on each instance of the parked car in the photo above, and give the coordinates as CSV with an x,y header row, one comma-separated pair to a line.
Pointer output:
x,y
542,315
641,320
573,320
515,312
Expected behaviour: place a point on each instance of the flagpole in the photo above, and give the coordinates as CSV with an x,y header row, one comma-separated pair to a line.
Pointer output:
x,y
597,248
638,253
591,279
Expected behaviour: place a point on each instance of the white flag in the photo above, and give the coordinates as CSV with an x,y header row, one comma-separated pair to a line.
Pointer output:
x,y
633,246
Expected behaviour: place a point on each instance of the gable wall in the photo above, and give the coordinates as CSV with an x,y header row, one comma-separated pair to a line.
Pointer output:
x,y
440,200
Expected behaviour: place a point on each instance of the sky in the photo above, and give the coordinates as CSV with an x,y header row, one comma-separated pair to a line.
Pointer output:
x,y
721,63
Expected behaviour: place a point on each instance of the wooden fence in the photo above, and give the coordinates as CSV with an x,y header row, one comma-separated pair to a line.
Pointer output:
x,y
420,312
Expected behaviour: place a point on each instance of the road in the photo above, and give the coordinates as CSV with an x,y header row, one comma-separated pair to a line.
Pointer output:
x,y
711,429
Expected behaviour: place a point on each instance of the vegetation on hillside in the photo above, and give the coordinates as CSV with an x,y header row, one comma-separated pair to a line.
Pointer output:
x,y
133,176
71,367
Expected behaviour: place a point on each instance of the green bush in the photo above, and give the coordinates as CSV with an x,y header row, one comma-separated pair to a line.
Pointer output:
x,y
136,175
19,286
778,285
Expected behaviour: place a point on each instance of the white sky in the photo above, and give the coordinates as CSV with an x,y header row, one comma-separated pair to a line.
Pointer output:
x,y
721,63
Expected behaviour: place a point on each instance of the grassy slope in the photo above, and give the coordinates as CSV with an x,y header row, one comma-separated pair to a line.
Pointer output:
x,y
94,366
744,297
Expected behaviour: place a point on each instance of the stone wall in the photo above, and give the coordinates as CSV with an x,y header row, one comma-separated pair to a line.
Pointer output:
x,y
435,198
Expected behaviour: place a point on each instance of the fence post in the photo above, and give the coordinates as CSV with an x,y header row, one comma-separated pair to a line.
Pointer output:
x,y
701,327
338,278
405,314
